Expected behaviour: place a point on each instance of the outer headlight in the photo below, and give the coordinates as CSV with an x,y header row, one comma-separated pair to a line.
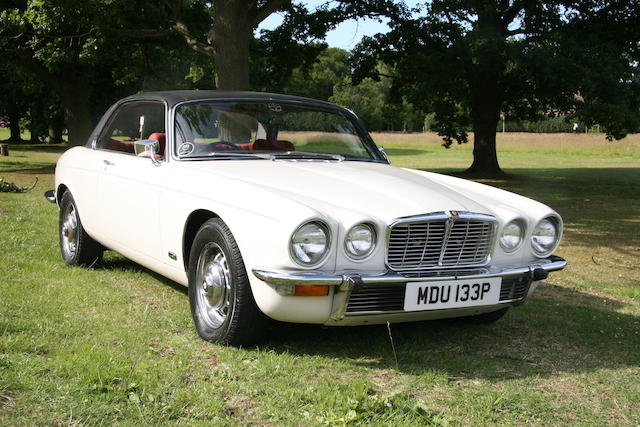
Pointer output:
x,y
511,236
310,243
545,236
360,241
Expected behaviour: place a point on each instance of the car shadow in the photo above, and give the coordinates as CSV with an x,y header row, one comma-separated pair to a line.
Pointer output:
x,y
559,330
124,264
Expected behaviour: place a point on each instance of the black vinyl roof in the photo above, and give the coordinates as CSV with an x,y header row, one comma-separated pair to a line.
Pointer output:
x,y
173,97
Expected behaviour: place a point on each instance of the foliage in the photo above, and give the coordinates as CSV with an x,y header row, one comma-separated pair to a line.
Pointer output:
x,y
468,61
10,187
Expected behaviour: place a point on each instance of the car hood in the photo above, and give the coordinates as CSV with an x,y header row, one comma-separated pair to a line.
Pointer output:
x,y
374,189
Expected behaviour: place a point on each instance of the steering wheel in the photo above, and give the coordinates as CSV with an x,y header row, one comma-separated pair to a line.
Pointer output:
x,y
226,144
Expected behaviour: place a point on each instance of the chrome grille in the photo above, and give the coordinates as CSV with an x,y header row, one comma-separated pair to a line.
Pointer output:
x,y
440,240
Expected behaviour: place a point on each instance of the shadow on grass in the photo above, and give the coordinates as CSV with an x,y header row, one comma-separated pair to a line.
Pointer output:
x,y
599,206
395,151
40,170
43,148
557,331
118,262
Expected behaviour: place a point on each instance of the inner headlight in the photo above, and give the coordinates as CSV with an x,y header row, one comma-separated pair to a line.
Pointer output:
x,y
545,236
360,241
310,243
511,236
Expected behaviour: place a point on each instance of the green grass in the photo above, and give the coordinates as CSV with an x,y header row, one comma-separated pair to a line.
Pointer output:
x,y
116,344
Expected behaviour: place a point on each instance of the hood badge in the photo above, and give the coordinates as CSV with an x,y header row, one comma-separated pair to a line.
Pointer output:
x,y
454,214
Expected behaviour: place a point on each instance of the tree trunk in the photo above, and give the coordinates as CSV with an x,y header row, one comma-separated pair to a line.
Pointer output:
x,y
486,92
485,157
56,126
35,124
74,96
232,32
14,125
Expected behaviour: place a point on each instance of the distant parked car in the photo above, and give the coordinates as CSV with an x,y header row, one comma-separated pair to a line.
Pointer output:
x,y
274,206
4,122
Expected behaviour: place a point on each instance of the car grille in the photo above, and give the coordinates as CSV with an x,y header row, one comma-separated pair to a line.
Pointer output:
x,y
391,297
442,242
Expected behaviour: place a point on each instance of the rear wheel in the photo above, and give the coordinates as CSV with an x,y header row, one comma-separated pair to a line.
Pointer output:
x,y
76,246
222,304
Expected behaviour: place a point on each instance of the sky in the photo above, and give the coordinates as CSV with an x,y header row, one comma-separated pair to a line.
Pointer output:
x,y
347,34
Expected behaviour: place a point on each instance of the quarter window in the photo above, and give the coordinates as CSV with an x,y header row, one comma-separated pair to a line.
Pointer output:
x,y
134,122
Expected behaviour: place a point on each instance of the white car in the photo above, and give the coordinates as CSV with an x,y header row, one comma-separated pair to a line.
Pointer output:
x,y
278,207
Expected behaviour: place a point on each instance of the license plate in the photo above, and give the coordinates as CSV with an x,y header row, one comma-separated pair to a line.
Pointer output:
x,y
452,294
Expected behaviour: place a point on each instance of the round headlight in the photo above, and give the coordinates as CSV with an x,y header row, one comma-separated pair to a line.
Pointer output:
x,y
360,241
511,236
310,243
545,236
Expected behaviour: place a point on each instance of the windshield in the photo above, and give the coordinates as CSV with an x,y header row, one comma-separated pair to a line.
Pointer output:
x,y
268,129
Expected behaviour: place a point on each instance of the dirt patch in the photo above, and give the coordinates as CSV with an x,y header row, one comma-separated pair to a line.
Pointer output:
x,y
6,400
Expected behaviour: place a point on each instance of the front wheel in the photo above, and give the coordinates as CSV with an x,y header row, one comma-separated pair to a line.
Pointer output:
x,y
222,304
76,246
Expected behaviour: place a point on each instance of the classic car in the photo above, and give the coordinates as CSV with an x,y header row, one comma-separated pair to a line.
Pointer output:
x,y
279,207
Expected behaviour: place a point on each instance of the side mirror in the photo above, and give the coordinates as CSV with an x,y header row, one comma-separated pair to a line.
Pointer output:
x,y
384,154
148,148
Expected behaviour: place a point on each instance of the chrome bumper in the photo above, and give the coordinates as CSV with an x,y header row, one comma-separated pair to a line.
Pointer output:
x,y
349,282
346,281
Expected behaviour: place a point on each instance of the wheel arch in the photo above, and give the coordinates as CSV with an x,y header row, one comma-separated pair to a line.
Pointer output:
x,y
191,227
60,192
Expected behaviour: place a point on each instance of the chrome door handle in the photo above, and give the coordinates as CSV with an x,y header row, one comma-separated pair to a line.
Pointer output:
x,y
108,163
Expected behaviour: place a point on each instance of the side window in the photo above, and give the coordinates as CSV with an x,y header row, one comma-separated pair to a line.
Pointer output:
x,y
132,122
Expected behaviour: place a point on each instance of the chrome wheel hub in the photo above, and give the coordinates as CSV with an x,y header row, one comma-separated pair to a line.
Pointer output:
x,y
69,231
213,286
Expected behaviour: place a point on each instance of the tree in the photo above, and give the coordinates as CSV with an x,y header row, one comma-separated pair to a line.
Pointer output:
x,y
223,31
70,45
469,60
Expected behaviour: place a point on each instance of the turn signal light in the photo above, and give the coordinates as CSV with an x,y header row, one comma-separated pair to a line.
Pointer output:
x,y
311,291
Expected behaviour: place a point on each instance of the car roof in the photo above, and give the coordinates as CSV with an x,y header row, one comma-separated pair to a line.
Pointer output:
x,y
173,97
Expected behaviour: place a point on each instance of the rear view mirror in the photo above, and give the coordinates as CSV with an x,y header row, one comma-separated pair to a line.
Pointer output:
x,y
148,148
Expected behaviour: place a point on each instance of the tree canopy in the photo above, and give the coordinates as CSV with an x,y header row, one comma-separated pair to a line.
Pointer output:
x,y
461,62
468,61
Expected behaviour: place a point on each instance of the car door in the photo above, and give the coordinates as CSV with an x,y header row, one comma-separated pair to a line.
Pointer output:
x,y
130,186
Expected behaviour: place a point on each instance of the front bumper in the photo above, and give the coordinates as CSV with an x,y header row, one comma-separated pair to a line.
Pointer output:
x,y
380,294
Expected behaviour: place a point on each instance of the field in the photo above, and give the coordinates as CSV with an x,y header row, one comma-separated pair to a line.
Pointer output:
x,y
116,344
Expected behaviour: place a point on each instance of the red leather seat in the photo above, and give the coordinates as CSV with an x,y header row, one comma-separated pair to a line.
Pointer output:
x,y
122,146
162,140
273,145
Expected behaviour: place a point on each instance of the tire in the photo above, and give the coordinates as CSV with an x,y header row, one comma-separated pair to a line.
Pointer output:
x,y
222,304
485,318
76,246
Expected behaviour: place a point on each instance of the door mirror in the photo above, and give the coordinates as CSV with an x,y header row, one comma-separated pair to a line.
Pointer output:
x,y
384,154
148,148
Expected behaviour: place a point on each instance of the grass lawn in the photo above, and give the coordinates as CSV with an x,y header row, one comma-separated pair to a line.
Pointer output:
x,y
116,344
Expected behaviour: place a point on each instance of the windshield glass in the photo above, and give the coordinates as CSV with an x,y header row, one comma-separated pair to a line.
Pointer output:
x,y
206,129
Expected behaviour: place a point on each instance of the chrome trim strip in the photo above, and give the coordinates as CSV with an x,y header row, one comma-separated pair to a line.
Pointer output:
x,y
553,263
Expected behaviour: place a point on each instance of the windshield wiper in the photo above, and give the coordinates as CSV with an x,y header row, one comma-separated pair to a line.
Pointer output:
x,y
307,155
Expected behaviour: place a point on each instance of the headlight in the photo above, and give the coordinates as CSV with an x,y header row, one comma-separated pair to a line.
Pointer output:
x,y
511,236
360,241
310,243
545,236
